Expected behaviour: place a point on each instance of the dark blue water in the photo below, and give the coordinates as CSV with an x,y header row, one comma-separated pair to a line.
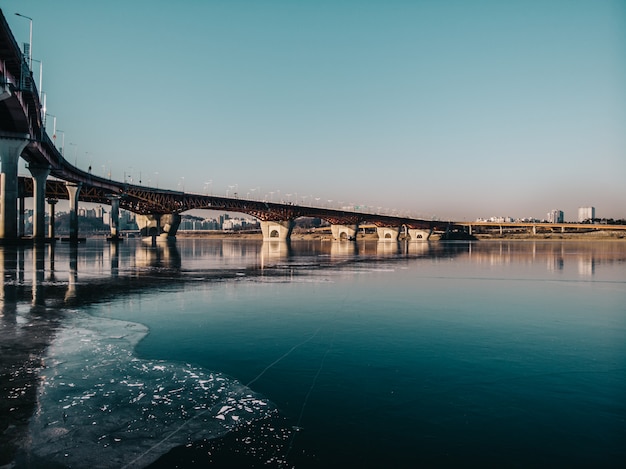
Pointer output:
x,y
324,354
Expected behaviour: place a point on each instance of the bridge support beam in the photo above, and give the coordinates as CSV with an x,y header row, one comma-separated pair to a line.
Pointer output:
x,y
114,217
51,233
344,232
159,225
387,233
277,230
10,151
39,174
419,235
21,212
73,190
149,225
169,225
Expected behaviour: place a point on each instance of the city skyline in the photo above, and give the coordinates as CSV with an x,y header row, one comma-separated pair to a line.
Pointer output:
x,y
454,111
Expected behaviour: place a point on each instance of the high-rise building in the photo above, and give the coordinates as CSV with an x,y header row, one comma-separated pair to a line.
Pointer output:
x,y
586,213
555,216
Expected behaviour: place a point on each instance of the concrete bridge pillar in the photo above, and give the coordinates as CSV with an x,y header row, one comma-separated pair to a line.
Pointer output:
x,y
21,211
40,174
114,218
277,230
169,225
149,225
51,233
10,151
419,235
387,233
344,232
161,225
73,189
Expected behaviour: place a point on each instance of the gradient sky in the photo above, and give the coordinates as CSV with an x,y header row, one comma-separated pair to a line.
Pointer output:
x,y
449,109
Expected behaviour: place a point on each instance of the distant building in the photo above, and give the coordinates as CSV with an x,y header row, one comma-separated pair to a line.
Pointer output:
x,y
555,216
586,213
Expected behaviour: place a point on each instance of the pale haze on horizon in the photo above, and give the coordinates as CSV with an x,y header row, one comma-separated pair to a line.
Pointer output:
x,y
448,109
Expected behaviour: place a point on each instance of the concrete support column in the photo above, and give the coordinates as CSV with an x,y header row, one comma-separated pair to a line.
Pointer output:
x,y
21,210
73,189
51,233
419,235
344,232
388,233
169,225
114,218
277,230
40,174
10,151
149,225
159,225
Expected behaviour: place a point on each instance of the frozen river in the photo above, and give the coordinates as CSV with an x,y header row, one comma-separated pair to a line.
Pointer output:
x,y
314,354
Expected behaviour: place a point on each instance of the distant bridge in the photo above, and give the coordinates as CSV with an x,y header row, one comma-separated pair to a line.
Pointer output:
x,y
23,135
502,228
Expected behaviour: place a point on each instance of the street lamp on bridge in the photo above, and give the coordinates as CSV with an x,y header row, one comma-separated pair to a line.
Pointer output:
x,y
30,40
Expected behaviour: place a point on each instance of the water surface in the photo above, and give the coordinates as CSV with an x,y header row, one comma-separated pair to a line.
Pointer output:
x,y
317,354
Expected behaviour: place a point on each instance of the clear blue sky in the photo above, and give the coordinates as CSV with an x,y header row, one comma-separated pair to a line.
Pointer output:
x,y
454,109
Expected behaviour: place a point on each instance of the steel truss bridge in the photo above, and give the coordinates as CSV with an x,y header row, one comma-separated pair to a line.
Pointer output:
x,y
151,201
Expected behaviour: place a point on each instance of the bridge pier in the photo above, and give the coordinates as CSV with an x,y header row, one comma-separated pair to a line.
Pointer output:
x,y
420,235
149,225
73,189
39,173
51,233
277,230
169,225
344,232
388,233
10,152
114,217
21,212
159,225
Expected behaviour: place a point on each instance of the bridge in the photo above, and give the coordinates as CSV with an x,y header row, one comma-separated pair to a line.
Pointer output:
x,y
536,227
23,135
